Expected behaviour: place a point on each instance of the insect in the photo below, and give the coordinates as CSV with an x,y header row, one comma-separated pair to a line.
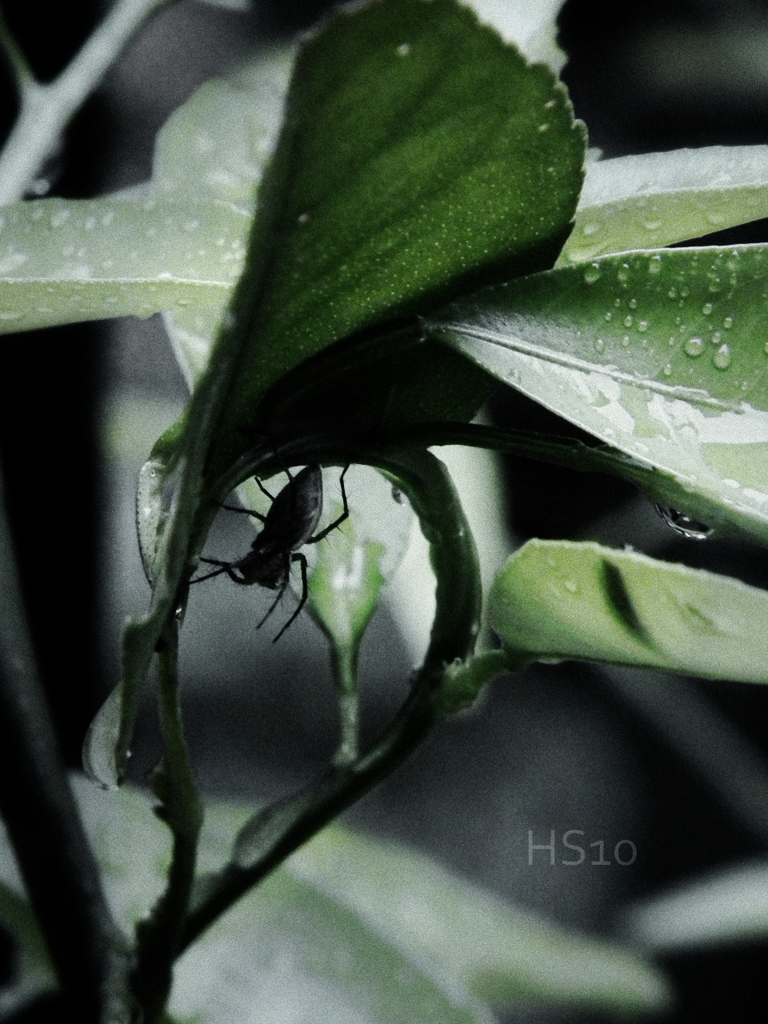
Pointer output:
x,y
288,525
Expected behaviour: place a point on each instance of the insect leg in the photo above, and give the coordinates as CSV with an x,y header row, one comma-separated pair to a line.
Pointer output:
x,y
248,511
337,522
297,556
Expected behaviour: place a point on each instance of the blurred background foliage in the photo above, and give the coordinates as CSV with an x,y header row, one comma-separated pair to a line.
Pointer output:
x,y
676,767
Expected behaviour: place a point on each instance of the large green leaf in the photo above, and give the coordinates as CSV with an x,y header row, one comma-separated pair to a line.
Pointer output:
x,y
464,169
660,354
654,199
560,599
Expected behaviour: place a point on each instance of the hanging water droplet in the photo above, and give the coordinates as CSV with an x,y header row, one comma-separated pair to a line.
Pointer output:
x,y
706,309
599,345
632,303
642,326
728,322
627,321
682,523
694,346
609,317
722,358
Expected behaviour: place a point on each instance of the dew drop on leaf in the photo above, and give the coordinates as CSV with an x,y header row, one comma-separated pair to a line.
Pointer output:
x,y
722,358
694,346
592,274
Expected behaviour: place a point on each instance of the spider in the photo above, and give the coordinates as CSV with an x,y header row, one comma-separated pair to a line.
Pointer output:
x,y
288,525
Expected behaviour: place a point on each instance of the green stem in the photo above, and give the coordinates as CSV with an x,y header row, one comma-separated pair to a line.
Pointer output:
x,y
345,677
47,109
275,834
181,809
44,826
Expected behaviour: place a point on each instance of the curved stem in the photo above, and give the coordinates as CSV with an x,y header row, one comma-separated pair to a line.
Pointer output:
x,y
47,109
275,834
181,809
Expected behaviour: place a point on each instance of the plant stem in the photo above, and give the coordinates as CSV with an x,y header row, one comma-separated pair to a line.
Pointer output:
x,y
275,834
44,826
47,109
182,811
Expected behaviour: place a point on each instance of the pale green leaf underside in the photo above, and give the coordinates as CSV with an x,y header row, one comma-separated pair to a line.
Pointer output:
x,y
656,199
337,933
66,261
561,599
662,355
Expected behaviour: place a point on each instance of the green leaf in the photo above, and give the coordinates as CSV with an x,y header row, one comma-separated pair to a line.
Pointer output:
x,y
660,354
655,199
464,170
66,261
727,907
354,929
506,956
559,599
349,568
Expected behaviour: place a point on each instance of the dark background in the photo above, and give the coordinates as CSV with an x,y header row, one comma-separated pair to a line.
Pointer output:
x,y
566,747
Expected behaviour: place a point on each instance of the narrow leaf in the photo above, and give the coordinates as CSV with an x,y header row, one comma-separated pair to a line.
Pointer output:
x,y
655,199
67,261
559,599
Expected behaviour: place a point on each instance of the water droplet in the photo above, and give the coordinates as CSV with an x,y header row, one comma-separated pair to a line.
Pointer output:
x,y
609,316
694,346
590,229
716,338
642,326
652,225
667,371
571,586
625,341
654,267
403,49
627,321
765,348
632,303
722,358
59,217
728,322
303,218
683,524
599,345
592,273
623,272
706,309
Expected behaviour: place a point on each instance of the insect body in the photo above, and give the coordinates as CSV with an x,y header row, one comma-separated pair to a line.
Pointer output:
x,y
288,526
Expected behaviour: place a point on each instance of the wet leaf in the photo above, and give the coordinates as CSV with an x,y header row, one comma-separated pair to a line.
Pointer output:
x,y
465,170
67,261
662,355
655,199
559,599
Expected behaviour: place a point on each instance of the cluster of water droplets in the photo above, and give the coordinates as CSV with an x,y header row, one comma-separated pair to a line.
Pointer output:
x,y
700,331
